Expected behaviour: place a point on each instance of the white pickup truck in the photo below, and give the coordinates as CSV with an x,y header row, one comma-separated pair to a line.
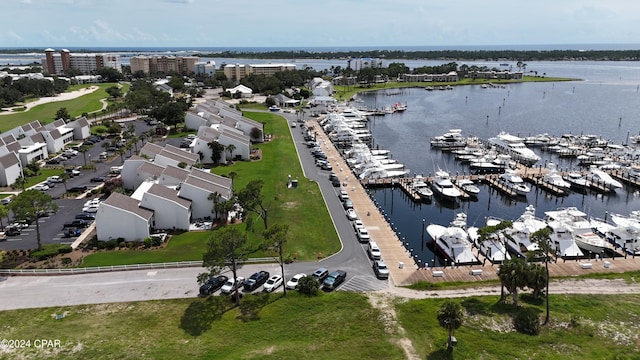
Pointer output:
x,y
231,285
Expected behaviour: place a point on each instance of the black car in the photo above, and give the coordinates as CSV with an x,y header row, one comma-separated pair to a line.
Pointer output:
x,y
212,285
86,216
78,223
334,279
256,280
98,179
72,232
77,188
53,161
335,182
12,230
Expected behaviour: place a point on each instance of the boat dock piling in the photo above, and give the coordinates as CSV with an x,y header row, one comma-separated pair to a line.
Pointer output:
x,y
623,176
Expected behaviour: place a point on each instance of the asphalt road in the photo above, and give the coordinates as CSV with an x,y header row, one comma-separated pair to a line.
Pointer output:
x,y
42,291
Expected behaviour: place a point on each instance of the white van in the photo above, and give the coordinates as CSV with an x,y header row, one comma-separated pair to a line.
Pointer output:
x,y
374,251
116,169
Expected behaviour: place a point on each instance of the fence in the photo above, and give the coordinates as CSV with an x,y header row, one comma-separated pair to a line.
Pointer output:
x,y
100,269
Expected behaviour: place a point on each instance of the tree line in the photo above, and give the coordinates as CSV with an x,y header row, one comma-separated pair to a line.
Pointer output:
x,y
12,92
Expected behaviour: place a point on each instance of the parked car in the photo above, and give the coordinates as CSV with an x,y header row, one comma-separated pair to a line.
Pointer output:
x,y
71,232
380,269
256,280
53,161
273,283
3,236
351,214
55,179
326,166
70,152
91,209
363,235
214,283
12,230
374,251
77,223
231,285
347,204
335,182
320,274
77,188
98,179
343,195
292,284
334,279
72,172
6,200
86,216
357,224
41,187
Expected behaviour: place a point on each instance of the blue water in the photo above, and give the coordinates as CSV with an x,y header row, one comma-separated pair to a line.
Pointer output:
x,y
606,103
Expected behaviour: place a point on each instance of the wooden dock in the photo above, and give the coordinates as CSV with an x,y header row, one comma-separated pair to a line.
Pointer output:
x,y
538,181
624,177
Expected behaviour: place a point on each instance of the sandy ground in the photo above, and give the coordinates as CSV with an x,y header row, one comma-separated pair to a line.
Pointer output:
x,y
61,97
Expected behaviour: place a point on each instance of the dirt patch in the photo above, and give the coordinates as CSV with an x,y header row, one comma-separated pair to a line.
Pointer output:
x,y
384,303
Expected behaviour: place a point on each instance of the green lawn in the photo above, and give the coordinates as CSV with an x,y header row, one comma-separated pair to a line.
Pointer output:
x,y
580,327
332,326
46,112
311,230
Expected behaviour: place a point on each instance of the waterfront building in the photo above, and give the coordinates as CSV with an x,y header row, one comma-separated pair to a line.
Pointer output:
x,y
85,63
164,64
237,72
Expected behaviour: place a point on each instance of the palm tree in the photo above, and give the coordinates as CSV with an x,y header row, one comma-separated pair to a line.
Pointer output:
x,y
513,276
543,238
450,317
230,149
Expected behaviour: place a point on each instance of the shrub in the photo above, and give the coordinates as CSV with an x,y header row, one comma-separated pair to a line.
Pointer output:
x,y
66,261
101,245
148,243
309,286
527,322
111,244
50,250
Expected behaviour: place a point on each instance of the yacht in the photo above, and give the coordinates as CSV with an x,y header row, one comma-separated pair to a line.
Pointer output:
x,y
443,187
575,221
452,139
514,146
553,177
493,248
623,231
514,182
453,241
600,177
519,236
577,181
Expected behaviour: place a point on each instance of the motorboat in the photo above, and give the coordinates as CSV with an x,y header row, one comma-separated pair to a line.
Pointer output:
x,y
274,108
597,176
468,186
554,178
514,182
443,187
577,181
581,229
519,236
514,146
421,188
450,140
453,241
493,248
623,232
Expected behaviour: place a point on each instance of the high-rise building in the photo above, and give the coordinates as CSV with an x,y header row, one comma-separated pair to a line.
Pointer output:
x,y
237,72
164,64
61,63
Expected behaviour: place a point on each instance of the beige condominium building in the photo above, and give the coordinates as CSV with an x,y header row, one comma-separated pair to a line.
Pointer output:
x,y
164,64
238,71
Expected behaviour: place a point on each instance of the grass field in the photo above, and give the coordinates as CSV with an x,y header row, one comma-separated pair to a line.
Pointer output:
x,y
580,327
311,230
46,112
331,326
340,325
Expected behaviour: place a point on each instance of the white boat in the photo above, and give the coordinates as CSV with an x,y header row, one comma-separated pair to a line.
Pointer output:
x,y
625,237
514,146
493,248
577,181
453,241
468,186
553,177
514,182
519,239
450,140
421,188
443,187
575,221
600,177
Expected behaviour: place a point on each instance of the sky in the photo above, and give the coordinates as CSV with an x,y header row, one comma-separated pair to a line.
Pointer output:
x,y
315,23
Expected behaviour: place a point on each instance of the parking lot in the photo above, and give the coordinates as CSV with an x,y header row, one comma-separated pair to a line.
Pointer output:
x,y
51,227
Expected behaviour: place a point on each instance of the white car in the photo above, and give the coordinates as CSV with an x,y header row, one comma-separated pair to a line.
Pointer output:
x,y
273,283
351,214
357,224
92,202
55,179
90,209
343,195
41,187
363,235
231,285
293,283
70,152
